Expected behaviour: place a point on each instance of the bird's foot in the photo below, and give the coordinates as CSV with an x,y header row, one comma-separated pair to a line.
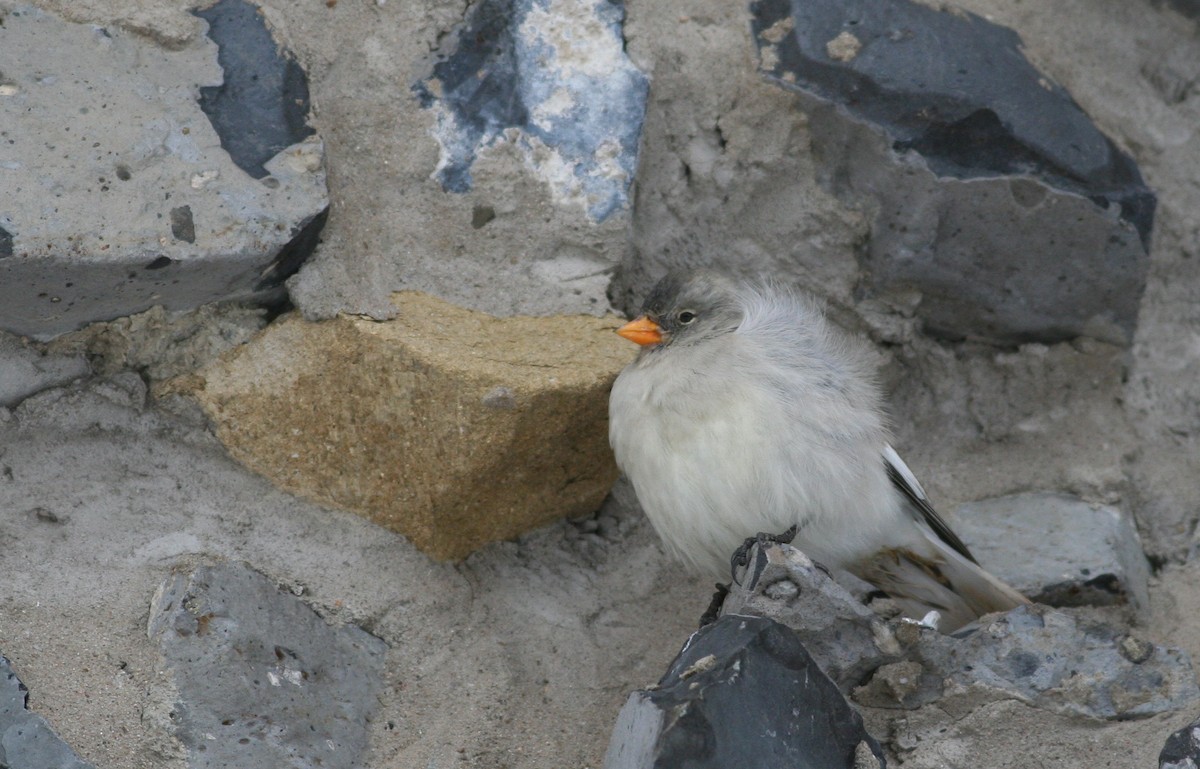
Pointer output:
x,y
741,556
713,611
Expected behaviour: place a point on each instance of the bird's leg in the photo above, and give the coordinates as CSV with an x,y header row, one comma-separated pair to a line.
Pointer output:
x,y
741,556
713,611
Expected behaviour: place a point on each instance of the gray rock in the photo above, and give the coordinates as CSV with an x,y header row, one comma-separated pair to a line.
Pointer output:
x,y
998,207
1182,749
1040,656
564,88
263,680
1035,654
26,740
742,692
1058,549
117,191
25,369
847,640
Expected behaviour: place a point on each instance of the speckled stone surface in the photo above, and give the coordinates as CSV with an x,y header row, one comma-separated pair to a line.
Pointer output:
x,y
449,426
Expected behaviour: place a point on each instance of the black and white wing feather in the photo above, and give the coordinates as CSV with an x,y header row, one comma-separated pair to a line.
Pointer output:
x,y
908,485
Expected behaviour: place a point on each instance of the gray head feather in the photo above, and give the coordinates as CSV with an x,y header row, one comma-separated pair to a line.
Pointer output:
x,y
693,306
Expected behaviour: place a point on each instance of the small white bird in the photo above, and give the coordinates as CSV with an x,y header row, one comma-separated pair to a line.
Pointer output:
x,y
747,412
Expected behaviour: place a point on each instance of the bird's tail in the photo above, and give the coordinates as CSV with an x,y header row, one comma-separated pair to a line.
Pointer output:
x,y
939,579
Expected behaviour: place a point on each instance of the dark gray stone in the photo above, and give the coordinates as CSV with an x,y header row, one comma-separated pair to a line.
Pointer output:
x,y
26,740
847,639
261,108
118,193
742,692
1058,549
510,66
1182,749
258,670
991,193
183,227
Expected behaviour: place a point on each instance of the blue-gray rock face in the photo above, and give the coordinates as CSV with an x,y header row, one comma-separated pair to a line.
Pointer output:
x,y
260,672
742,692
1058,549
261,108
553,78
26,740
118,192
1044,657
993,195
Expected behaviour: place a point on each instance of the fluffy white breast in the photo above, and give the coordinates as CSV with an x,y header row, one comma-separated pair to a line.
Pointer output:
x,y
755,431
686,442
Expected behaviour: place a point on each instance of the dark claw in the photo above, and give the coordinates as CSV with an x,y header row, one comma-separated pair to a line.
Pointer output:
x,y
713,611
741,556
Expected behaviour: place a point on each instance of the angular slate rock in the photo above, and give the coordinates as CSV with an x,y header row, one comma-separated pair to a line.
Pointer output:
x,y
991,192
553,77
263,680
117,192
261,108
1058,549
26,740
742,692
847,640
1182,750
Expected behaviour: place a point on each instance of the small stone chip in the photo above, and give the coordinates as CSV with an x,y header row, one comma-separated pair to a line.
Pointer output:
x,y
779,30
844,47
1136,650
500,397
768,57
45,516
783,590
865,758
702,665
908,632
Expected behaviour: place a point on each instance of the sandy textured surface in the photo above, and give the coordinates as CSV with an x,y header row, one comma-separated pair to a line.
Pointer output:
x,y
522,655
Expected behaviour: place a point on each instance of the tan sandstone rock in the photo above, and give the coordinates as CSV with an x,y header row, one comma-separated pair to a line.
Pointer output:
x,y
449,426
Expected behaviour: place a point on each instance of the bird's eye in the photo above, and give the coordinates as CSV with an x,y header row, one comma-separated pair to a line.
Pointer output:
x,y
686,316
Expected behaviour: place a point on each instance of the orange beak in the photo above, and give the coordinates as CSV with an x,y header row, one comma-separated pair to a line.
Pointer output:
x,y
642,330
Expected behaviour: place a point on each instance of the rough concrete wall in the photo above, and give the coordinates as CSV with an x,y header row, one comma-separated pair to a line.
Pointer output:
x,y
109,490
